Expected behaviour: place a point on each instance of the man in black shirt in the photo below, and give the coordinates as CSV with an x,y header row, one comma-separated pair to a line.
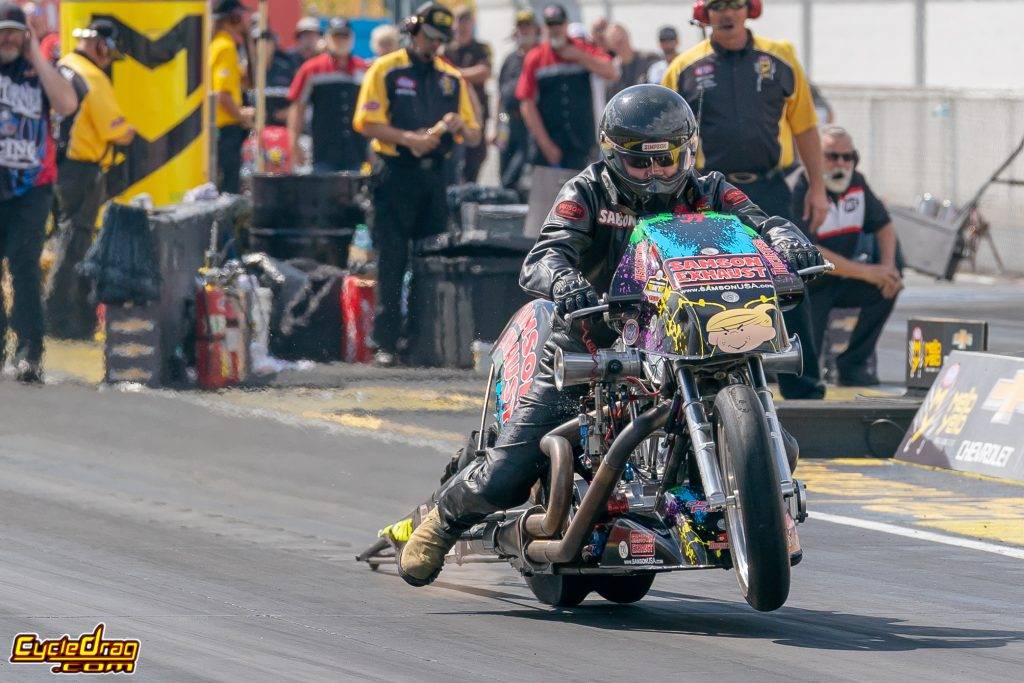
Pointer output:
x,y
633,64
857,282
512,137
473,60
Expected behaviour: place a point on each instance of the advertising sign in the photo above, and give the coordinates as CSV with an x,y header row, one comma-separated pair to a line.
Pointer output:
x,y
930,340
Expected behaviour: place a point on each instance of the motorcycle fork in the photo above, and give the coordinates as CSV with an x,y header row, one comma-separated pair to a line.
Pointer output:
x,y
760,385
703,439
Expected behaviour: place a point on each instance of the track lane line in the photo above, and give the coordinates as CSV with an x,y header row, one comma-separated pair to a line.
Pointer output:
x,y
1016,553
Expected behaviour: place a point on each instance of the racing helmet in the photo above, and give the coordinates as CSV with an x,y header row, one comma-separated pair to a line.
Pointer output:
x,y
645,125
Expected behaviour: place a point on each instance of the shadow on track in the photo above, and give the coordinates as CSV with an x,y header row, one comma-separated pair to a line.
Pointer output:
x,y
791,626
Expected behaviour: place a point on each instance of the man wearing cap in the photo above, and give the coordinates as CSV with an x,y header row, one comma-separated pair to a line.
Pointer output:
x,y
233,121
555,95
416,107
307,40
30,88
512,137
330,84
473,60
86,147
754,106
668,41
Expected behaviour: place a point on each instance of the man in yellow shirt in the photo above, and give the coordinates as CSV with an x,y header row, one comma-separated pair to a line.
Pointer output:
x,y
416,107
85,150
233,121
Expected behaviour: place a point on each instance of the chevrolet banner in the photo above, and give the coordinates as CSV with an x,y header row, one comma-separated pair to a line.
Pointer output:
x,y
972,418
161,88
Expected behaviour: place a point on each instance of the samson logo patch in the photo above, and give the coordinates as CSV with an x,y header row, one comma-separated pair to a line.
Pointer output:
x,y
735,196
616,219
570,210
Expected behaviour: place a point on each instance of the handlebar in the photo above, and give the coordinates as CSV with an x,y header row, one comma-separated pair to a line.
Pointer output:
x,y
585,313
827,267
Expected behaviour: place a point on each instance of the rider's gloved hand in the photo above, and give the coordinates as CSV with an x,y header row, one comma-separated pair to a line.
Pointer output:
x,y
795,248
572,292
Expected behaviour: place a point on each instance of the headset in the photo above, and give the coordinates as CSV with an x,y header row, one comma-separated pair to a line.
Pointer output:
x,y
700,11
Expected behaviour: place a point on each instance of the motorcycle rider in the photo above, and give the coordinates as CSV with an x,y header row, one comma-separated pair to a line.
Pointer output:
x,y
648,141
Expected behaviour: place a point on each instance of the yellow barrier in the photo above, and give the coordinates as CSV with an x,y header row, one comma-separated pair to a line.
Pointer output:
x,y
161,86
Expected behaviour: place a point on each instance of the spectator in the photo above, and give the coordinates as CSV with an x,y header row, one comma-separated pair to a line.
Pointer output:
x,y
513,139
87,142
853,212
633,65
27,173
233,121
668,41
558,104
415,106
330,84
473,60
753,104
384,39
281,69
307,40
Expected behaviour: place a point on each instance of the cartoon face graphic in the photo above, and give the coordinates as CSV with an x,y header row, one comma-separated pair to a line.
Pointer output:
x,y
741,329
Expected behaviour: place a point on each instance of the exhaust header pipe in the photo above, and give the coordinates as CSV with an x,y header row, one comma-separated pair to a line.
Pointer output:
x,y
583,368
789,360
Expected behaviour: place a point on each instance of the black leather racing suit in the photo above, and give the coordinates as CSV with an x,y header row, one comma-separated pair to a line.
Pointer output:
x,y
586,231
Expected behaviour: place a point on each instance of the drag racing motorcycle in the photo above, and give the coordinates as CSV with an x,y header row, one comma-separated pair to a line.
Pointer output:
x,y
676,460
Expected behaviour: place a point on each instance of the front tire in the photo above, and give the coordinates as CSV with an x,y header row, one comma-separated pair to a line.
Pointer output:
x,y
756,520
624,589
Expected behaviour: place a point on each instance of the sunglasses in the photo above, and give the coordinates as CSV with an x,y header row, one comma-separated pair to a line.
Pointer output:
x,y
841,156
719,5
646,162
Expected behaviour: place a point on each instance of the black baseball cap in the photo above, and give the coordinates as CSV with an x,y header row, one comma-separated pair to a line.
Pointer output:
x,y
435,21
102,29
224,7
339,26
12,16
555,14
667,33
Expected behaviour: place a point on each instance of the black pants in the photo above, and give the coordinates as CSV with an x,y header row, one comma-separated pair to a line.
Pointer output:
x,y
409,203
22,230
229,158
503,478
516,154
473,160
775,199
875,309
81,190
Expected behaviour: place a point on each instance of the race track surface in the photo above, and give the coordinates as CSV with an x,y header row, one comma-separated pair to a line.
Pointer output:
x,y
223,539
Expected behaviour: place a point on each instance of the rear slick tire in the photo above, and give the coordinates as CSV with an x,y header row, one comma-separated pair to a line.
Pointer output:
x,y
756,523
560,590
624,589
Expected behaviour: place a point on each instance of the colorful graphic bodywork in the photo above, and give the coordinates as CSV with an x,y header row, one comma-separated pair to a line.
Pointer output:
x,y
516,355
707,285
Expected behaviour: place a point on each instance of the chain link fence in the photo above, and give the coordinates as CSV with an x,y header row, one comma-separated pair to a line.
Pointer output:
x,y
944,142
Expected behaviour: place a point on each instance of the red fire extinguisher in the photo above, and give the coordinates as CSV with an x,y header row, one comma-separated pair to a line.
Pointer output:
x,y
212,361
357,304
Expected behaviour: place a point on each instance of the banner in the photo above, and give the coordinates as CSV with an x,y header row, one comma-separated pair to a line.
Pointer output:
x,y
161,87
930,340
972,418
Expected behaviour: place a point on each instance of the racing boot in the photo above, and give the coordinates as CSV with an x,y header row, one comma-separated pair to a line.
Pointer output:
x,y
423,555
792,449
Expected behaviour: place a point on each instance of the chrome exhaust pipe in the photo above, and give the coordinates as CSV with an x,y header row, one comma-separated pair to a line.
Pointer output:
x,y
549,524
571,369
787,361
594,501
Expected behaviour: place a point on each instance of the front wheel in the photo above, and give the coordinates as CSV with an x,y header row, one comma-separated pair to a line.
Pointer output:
x,y
755,515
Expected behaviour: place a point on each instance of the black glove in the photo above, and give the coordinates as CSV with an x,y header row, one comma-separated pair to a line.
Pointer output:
x,y
572,292
795,248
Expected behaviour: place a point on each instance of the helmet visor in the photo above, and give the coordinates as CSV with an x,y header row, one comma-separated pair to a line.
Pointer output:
x,y
652,155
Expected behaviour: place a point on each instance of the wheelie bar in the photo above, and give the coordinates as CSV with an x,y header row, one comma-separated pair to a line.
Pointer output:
x,y
778,446
703,440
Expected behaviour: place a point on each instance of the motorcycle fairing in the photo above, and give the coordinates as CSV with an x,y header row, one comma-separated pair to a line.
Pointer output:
x,y
516,355
704,283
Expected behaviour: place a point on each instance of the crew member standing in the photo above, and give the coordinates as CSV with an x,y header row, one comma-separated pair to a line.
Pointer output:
x,y
330,84
30,86
555,96
511,137
473,59
233,121
753,104
87,144
416,107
